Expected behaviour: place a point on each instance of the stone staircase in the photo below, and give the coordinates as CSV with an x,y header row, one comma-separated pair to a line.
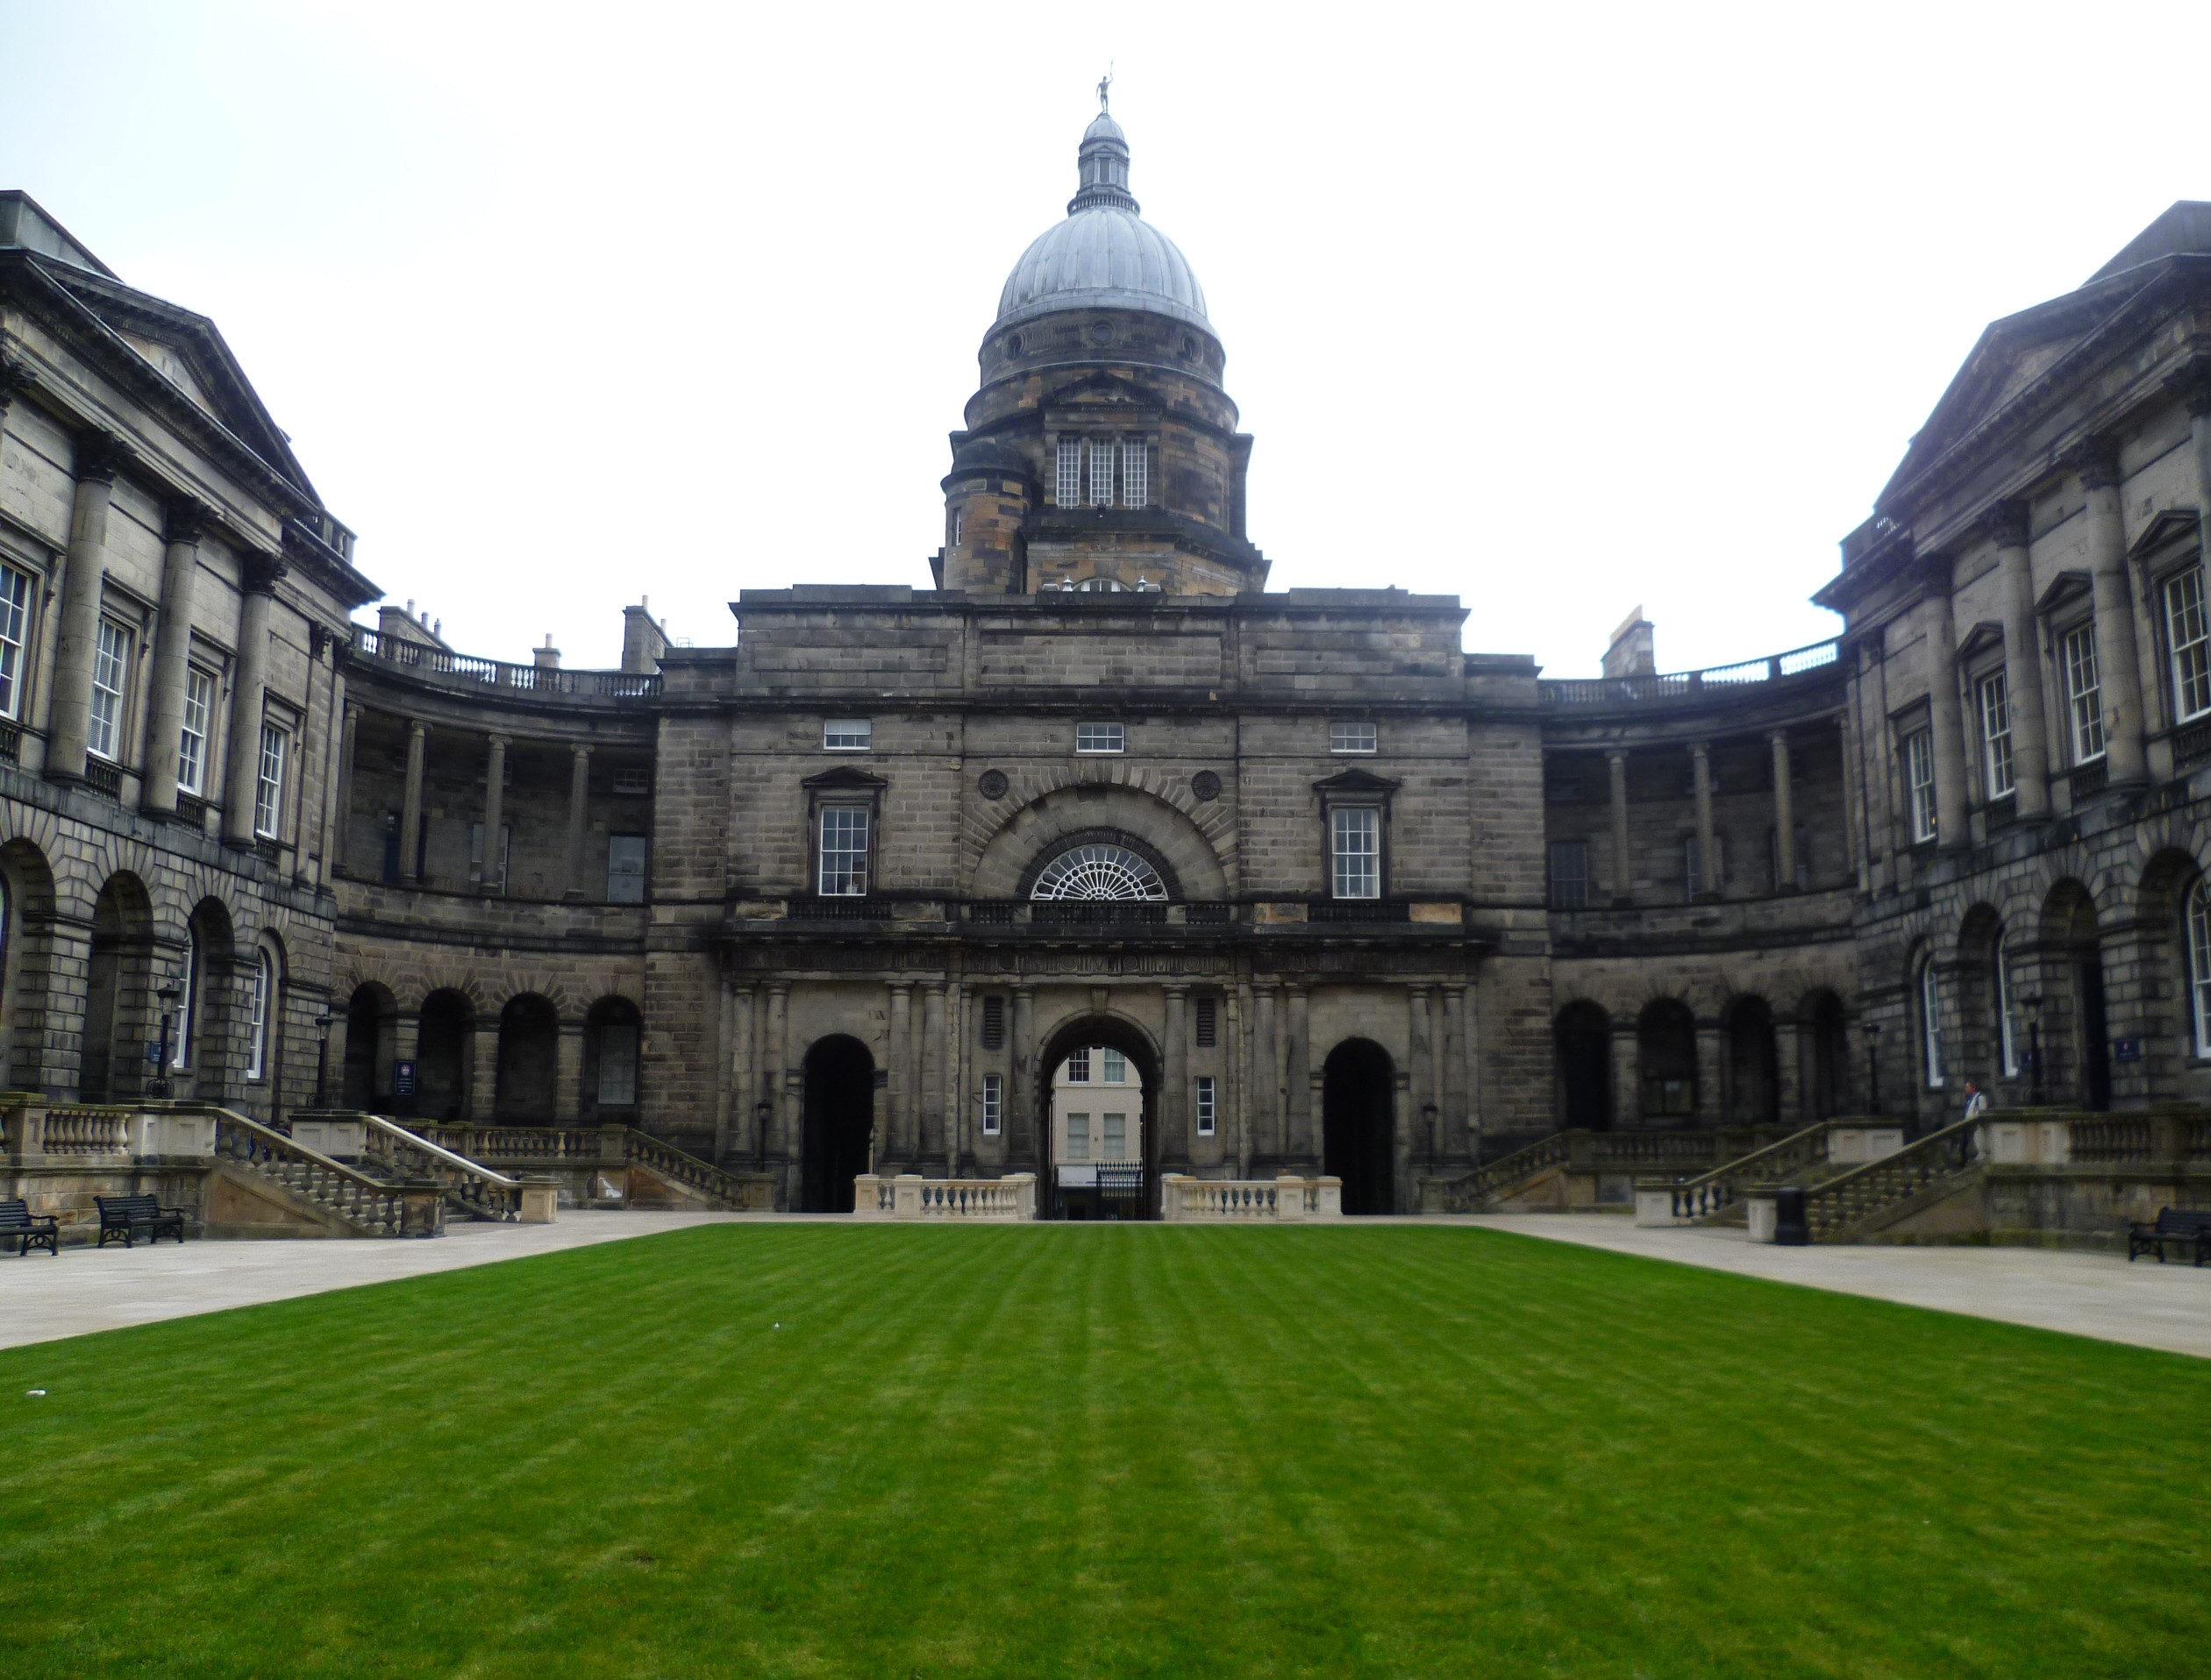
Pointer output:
x,y
299,1185
1821,1150
1878,1195
391,1153
1570,1169
641,1169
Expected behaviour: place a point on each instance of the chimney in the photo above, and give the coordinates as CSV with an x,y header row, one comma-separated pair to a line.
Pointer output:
x,y
1634,651
548,657
643,641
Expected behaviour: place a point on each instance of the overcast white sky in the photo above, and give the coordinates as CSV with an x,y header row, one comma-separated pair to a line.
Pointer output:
x,y
1557,309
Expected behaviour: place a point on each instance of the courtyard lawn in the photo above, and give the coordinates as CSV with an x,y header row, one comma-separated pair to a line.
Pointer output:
x,y
1099,1450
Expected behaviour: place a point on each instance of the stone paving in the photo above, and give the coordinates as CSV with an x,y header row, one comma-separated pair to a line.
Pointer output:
x,y
2098,1295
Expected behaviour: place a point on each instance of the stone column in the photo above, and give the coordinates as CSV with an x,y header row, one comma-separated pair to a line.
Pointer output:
x,y
98,458
568,1093
483,1069
1943,713
579,810
1708,852
1299,1055
2022,662
1627,1073
410,804
1711,1106
335,853
172,650
1173,1150
338,783
1623,856
929,1057
242,764
899,1081
2192,386
1463,1002
774,1084
1244,1068
1024,1145
732,1123
1266,1077
1415,1143
492,876
962,1091
2116,667
1784,815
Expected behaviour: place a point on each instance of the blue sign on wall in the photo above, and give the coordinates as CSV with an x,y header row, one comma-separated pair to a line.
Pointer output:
x,y
2126,1049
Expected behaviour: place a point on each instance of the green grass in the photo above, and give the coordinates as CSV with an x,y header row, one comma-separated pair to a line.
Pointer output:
x,y
1091,1450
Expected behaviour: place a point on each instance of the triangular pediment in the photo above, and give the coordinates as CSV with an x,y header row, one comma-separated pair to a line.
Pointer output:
x,y
1097,394
1984,637
2173,525
845,779
2067,585
1355,781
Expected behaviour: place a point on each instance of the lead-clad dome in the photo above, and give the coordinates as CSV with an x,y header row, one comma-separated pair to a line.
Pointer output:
x,y
1104,255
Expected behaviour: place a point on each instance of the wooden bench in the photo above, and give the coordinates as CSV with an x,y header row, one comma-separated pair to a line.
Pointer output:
x,y
127,1216
17,1221
2188,1226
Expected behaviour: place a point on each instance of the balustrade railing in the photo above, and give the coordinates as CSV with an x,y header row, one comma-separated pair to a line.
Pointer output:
x,y
1682,687
88,1131
1286,1198
1714,1192
463,669
579,1146
2114,1140
1843,1201
376,1208
473,1186
909,1196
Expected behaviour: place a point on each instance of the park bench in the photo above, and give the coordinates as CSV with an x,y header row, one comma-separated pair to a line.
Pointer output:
x,y
127,1216
28,1231
2188,1226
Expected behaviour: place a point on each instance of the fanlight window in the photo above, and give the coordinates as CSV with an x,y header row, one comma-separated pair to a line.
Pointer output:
x,y
1099,871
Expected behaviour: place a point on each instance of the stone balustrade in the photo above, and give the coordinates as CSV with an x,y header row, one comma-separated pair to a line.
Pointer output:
x,y
1835,1142
909,1196
1282,1199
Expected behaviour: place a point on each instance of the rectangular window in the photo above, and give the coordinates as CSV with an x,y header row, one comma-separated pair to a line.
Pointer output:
x,y
1351,738
257,1020
625,869
15,631
1102,474
618,1065
268,788
1208,1023
1208,1105
475,853
848,735
1931,1028
1136,475
1115,1067
2191,640
1078,1068
111,663
844,852
1693,874
191,740
1569,875
1919,782
1115,1142
2007,1023
1078,1137
1069,489
2084,694
633,783
994,1023
1355,845
1101,738
1995,734
994,1104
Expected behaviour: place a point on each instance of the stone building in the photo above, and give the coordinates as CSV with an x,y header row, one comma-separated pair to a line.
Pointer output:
x,y
844,895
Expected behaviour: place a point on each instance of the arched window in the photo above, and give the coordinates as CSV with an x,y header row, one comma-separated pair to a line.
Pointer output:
x,y
264,995
1930,1026
2200,963
1099,871
2007,1022
187,982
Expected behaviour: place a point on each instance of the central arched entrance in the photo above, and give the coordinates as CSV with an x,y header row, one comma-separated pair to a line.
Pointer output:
x,y
1115,1173
1359,1127
838,1124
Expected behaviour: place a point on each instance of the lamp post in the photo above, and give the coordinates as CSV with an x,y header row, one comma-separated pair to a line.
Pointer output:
x,y
160,1085
2032,1002
322,1056
1874,1065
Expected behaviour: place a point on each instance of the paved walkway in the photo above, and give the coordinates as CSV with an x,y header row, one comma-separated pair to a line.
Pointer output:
x,y
2150,1305
87,1289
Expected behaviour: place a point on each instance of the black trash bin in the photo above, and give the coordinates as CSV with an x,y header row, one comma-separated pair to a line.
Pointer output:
x,y
1789,1226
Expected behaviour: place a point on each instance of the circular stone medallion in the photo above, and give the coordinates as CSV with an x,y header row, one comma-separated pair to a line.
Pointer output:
x,y
1206,784
991,784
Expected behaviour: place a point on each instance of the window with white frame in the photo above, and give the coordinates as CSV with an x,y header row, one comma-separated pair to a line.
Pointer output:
x,y
1994,695
263,983
1114,1139
192,738
1569,875
626,857
1355,851
1101,738
1135,477
848,735
2006,1024
1346,736
844,859
187,983
1919,783
618,1064
268,787
1078,1137
15,635
1931,1028
2200,963
1079,1067
994,1104
2189,637
2084,693
1102,474
1692,864
110,670
476,877
1112,1067
1208,1105
1068,489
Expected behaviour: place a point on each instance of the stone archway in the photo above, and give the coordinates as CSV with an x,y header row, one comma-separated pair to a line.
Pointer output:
x,y
1097,1030
1359,1127
119,1004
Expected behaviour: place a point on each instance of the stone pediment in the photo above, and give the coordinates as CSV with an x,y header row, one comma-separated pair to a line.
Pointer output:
x,y
1985,637
2067,585
1101,394
1355,781
845,779
2173,525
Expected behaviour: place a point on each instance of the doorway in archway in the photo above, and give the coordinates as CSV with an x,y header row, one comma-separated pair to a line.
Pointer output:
x,y
1098,1079
1358,1132
836,1124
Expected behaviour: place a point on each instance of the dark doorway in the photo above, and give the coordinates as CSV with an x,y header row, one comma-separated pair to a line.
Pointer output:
x,y
1825,1052
372,1024
612,1033
1754,1085
1358,1132
1584,1067
441,1057
529,1072
118,991
838,1120
2095,1036
1667,1057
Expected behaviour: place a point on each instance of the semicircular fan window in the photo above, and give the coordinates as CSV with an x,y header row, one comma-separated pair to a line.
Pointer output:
x,y
1099,871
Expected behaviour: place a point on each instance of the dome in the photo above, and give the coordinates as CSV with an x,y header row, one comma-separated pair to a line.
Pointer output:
x,y
1104,255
